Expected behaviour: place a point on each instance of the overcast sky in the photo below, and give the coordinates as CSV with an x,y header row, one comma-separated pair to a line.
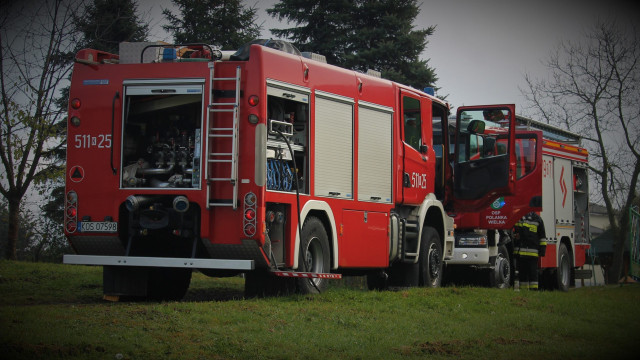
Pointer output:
x,y
481,49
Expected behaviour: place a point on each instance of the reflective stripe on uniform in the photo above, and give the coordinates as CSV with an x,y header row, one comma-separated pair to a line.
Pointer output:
x,y
531,227
526,252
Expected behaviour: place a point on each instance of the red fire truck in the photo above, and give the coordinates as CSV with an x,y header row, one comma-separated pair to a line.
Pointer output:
x,y
268,163
552,177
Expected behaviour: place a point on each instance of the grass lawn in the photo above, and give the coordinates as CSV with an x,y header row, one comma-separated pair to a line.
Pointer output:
x,y
57,311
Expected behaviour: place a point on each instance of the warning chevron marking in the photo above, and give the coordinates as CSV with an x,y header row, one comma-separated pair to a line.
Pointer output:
x,y
295,274
563,187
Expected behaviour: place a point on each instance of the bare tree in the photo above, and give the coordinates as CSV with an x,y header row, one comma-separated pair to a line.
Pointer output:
x,y
594,90
37,39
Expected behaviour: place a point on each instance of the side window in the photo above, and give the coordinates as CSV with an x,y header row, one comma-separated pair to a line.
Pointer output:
x,y
438,130
476,147
439,133
412,122
526,156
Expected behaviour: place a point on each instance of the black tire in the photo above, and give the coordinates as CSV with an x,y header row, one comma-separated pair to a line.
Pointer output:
x,y
563,272
500,276
259,283
377,280
430,262
168,284
314,256
403,275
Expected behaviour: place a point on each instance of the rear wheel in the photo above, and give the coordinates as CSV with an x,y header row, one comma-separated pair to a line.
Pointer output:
x,y
259,283
377,280
403,275
500,275
314,256
430,262
563,272
168,284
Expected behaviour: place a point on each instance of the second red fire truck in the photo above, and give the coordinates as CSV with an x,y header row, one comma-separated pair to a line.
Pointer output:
x,y
552,176
269,163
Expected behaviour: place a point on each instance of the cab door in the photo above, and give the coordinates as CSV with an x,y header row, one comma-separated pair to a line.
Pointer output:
x,y
485,156
505,211
418,163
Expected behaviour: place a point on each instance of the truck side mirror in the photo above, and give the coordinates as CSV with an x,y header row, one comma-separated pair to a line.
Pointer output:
x,y
424,148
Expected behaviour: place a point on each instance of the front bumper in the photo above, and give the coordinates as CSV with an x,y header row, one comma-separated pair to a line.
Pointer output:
x,y
469,256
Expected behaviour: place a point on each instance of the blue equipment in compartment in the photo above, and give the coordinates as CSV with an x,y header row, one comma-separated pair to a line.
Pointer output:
x,y
279,175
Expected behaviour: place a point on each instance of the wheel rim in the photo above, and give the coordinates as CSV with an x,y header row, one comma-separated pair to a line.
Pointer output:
x,y
564,269
503,270
434,264
314,258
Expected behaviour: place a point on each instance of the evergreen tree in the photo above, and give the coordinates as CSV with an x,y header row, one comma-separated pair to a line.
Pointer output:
x,y
107,23
321,26
361,35
385,40
226,23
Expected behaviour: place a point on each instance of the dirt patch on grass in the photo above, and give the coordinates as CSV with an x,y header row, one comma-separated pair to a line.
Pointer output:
x,y
445,348
505,341
519,301
456,348
47,351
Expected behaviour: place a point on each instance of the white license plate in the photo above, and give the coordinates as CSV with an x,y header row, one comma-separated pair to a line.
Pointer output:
x,y
98,226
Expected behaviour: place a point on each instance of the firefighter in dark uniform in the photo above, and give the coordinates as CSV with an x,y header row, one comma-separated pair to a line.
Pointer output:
x,y
530,243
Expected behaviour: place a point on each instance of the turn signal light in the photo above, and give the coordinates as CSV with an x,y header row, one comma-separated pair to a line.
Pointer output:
x,y
71,212
250,214
71,227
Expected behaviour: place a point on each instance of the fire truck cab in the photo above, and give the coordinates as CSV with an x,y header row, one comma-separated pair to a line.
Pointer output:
x,y
263,162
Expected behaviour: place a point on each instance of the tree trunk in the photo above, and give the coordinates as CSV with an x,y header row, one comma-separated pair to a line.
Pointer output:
x,y
615,272
14,222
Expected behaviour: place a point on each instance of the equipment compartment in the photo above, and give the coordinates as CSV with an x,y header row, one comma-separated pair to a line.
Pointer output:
x,y
287,121
161,142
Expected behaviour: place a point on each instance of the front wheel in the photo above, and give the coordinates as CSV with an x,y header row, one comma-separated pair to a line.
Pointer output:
x,y
500,275
430,262
314,256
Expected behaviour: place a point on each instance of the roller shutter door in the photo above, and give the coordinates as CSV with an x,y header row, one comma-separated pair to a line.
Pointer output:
x,y
333,169
374,153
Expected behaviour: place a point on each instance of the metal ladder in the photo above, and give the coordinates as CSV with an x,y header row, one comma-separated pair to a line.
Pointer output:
x,y
218,131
